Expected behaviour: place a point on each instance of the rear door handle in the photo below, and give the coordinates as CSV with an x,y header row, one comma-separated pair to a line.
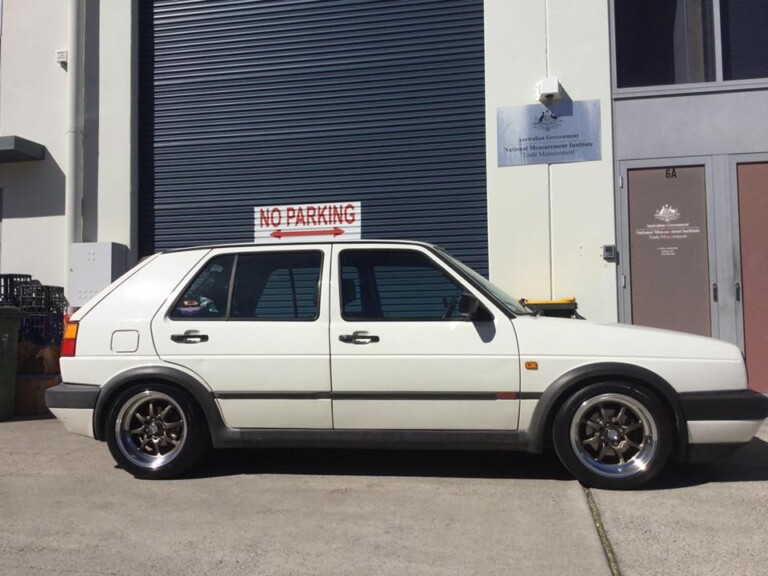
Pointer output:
x,y
358,337
190,337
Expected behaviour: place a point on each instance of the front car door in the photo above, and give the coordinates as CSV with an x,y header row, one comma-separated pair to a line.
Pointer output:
x,y
402,356
253,324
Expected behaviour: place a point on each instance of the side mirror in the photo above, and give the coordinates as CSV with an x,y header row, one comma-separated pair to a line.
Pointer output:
x,y
471,309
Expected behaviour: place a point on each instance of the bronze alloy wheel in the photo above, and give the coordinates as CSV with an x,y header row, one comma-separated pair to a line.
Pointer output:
x,y
613,435
156,430
151,429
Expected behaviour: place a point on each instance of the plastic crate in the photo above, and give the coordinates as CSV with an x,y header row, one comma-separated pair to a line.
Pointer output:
x,y
38,299
563,308
9,288
42,329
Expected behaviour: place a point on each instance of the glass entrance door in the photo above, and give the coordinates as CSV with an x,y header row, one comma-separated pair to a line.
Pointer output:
x,y
693,250
752,192
669,248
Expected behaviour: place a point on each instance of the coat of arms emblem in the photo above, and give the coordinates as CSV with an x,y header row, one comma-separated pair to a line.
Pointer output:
x,y
667,214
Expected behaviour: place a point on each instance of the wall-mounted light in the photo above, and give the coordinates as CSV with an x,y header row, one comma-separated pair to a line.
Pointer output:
x,y
548,89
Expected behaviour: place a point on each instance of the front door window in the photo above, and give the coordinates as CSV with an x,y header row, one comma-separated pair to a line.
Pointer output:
x,y
396,285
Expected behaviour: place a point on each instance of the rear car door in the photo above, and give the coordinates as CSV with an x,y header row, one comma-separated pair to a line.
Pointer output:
x,y
253,324
402,357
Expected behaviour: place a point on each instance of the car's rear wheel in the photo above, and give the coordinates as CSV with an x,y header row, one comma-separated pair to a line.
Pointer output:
x,y
156,431
613,435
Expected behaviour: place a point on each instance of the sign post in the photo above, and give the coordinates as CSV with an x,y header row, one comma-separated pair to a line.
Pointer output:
x,y
307,222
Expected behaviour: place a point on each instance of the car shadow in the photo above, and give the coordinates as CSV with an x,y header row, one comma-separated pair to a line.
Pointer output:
x,y
748,464
393,463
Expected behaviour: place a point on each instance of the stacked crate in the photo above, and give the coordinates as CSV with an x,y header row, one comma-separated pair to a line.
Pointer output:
x,y
40,333
43,308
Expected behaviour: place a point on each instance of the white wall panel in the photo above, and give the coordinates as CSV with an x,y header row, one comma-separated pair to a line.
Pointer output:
x,y
518,213
547,223
117,179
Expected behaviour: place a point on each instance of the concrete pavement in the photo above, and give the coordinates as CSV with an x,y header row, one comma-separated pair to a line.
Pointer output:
x,y
700,519
66,509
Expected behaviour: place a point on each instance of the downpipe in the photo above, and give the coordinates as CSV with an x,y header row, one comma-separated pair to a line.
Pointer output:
x,y
74,137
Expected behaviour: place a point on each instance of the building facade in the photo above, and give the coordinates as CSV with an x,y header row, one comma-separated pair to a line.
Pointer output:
x,y
613,151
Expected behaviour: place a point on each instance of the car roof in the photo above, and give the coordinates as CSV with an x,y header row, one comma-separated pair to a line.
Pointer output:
x,y
320,243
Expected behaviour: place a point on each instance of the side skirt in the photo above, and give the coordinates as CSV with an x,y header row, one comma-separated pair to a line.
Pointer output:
x,y
381,439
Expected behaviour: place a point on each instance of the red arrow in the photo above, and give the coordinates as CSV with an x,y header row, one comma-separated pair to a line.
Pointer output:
x,y
326,232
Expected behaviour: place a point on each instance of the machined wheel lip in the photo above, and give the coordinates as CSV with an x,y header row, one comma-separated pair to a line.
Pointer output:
x,y
176,429
635,412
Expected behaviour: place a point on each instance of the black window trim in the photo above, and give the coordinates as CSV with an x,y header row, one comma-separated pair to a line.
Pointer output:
x,y
227,315
408,248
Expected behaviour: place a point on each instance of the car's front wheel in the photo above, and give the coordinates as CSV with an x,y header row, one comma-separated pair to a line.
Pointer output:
x,y
156,431
613,435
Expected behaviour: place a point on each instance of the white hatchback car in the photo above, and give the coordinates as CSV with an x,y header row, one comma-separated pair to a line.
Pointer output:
x,y
382,344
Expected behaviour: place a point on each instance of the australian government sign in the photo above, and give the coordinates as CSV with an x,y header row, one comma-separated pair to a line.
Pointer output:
x,y
565,131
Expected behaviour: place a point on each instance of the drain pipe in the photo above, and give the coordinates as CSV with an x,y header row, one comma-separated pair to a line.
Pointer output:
x,y
72,196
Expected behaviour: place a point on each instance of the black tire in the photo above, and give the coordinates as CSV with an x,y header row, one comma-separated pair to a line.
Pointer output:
x,y
156,431
613,435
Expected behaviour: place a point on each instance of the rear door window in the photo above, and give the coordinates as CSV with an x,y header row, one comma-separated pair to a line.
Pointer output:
x,y
267,286
277,286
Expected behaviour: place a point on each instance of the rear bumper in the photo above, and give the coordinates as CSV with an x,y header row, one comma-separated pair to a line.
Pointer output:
x,y
720,422
73,405
81,396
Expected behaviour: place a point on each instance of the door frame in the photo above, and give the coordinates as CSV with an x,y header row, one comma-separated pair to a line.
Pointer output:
x,y
623,268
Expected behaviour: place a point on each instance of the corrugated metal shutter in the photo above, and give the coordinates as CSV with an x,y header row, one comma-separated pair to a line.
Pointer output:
x,y
255,103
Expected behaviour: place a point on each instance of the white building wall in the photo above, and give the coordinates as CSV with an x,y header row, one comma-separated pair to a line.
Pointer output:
x,y
33,105
547,224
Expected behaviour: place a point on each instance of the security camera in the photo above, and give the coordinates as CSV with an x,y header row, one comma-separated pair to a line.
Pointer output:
x,y
548,89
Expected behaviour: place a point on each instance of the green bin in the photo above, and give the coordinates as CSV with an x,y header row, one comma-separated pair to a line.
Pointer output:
x,y
9,336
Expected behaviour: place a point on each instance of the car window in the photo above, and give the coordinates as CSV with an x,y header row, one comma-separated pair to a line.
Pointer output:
x,y
277,286
509,302
207,296
396,285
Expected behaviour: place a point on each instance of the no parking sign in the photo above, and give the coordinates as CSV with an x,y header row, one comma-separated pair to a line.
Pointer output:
x,y
305,222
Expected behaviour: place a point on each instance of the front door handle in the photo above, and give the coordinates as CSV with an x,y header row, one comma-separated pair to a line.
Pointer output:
x,y
358,337
190,337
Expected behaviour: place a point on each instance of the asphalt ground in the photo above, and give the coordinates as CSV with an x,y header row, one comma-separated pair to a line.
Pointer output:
x,y
65,508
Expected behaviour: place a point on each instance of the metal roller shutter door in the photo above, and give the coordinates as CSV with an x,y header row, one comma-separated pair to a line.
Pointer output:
x,y
255,103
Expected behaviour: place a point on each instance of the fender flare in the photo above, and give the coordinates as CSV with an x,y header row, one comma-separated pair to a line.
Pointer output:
x,y
566,384
221,435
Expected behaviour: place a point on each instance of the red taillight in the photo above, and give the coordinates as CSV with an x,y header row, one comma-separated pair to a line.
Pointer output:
x,y
69,342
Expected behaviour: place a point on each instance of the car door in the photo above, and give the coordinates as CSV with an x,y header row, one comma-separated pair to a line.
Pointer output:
x,y
403,357
253,324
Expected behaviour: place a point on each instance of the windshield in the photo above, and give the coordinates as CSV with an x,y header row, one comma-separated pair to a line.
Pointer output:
x,y
510,302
